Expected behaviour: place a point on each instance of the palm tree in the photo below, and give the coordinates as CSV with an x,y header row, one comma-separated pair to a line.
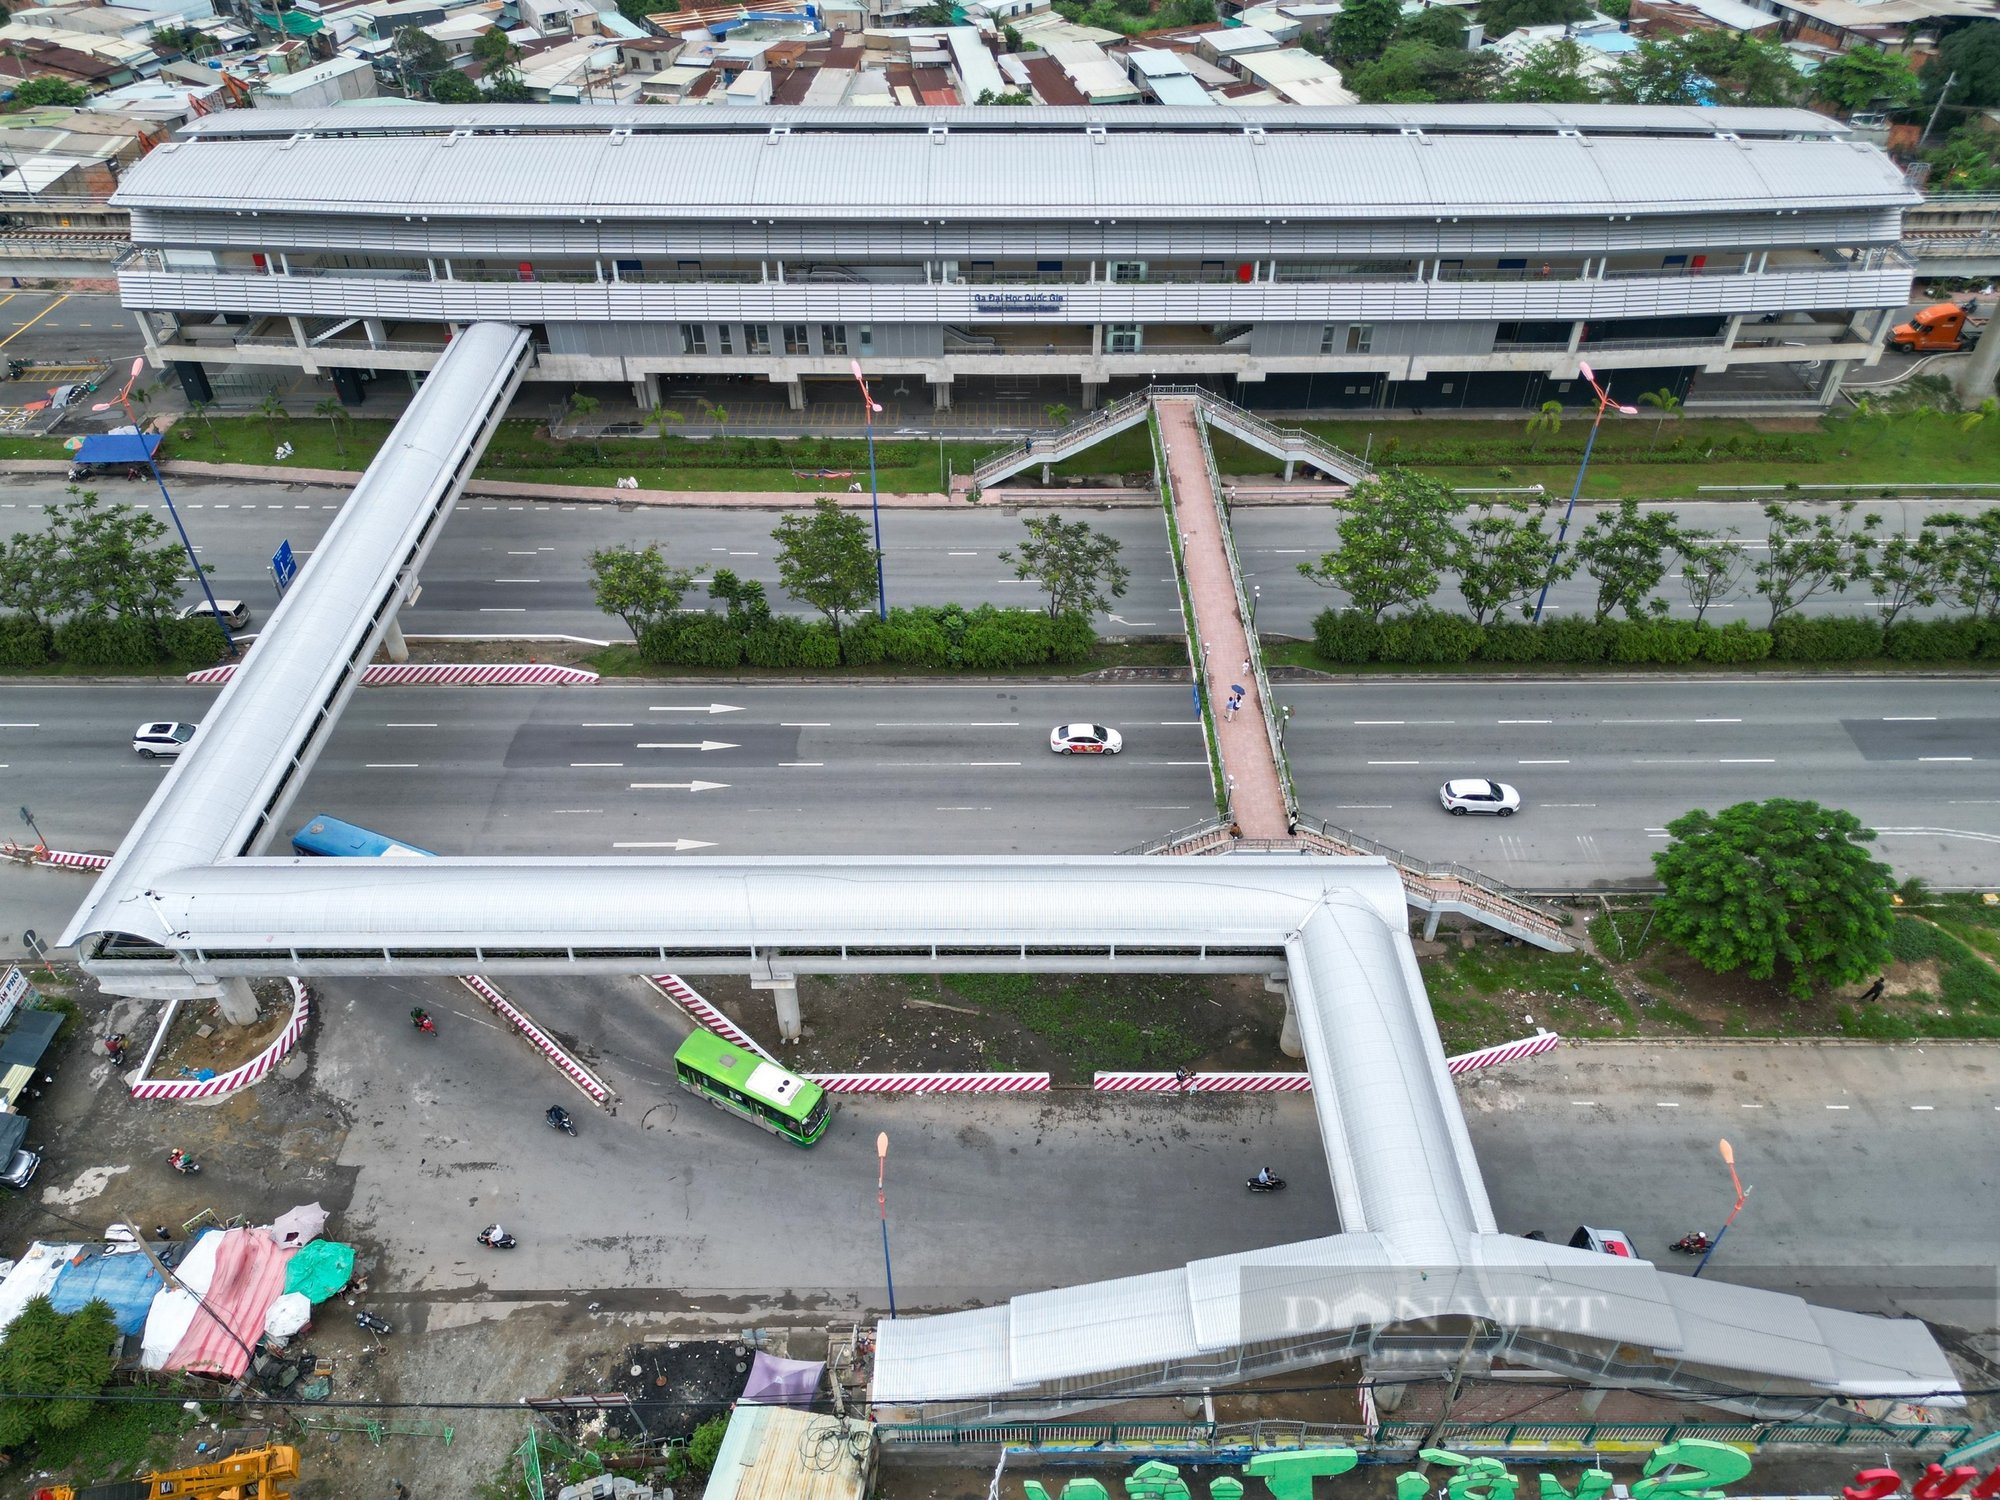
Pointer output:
x,y
1549,419
272,410
719,415
199,411
661,414
336,414
1668,404
1058,414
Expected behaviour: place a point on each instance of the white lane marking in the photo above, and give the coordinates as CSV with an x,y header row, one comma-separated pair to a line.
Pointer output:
x,y
679,786
1395,762
948,724
1923,1106
961,809
1541,762
493,610
1909,718
961,554
677,845
1972,802
1178,723
1838,1106
389,765
1932,758
1377,723
529,553
1524,721
409,726
20,726
517,580
801,763
596,765
1184,807
1749,1106
694,708
1180,762
574,810
992,763
604,724
1565,804
1666,1104
1363,806
1718,721
807,724
1765,760
1584,1103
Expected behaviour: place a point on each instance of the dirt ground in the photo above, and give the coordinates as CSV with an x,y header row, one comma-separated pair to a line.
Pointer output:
x,y
187,1050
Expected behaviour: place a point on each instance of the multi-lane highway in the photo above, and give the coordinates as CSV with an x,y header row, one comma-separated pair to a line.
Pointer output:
x,y
520,567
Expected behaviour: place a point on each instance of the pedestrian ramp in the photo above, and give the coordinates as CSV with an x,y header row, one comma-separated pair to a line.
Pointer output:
x,y
1052,448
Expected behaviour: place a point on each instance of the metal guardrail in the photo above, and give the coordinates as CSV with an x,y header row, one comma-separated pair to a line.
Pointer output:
x,y
1191,628
1053,447
1472,1436
1294,440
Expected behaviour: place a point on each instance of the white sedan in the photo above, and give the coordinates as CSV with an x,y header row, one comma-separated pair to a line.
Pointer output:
x,y
1477,795
164,738
1085,739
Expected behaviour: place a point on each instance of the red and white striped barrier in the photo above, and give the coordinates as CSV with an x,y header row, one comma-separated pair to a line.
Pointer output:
x,y
932,1083
1486,1057
702,1013
1301,1083
438,674
236,1078
585,1080
1204,1083
62,859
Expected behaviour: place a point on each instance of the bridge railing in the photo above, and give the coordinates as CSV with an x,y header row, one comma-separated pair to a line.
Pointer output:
x,y
1057,444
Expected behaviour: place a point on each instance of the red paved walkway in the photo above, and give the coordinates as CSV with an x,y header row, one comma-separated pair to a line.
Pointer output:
x,y
1257,798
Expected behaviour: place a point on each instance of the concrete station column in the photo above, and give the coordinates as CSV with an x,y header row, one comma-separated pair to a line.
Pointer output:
x,y
393,642
784,990
1288,1035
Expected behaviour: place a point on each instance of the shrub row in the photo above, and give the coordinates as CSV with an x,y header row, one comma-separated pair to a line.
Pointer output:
x,y
717,453
108,642
1682,450
945,638
1428,637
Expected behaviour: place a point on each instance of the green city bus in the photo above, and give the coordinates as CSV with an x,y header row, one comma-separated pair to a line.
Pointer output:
x,y
761,1092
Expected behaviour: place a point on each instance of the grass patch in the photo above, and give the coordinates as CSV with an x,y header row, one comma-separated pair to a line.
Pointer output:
x,y
1111,1022
1568,992
32,447
119,1438
1894,451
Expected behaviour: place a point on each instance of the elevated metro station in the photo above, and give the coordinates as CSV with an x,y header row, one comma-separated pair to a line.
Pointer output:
x,y
1415,1275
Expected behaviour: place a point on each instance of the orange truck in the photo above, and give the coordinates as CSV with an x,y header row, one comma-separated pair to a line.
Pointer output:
x,y
1943,327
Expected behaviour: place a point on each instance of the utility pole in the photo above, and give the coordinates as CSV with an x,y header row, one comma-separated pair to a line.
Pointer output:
x,y
1931,124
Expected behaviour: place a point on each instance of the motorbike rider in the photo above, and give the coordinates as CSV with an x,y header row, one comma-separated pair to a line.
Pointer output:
x,y
1264,1177
492,1234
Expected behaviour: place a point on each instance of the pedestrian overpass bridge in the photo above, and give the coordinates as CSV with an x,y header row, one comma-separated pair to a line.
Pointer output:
x,y
1414,1276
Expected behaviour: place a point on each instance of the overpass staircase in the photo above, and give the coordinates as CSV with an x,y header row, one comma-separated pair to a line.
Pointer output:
x,y
1290,445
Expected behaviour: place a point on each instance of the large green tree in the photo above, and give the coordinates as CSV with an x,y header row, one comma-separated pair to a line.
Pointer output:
x,y
1549,72
1972,544
1865,78
1362,29
1418,73
824,560
46,88
1499,17
1078,568
1970,57
638,587
63,1359
1778,888
95,561
1627,550
1397,538
1809,555
1504,556
1436,26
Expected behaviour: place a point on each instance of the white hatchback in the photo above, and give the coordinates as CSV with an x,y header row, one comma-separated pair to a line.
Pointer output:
x,y
1476,795
168,737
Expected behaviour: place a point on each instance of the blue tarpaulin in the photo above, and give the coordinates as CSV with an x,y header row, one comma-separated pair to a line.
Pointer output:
x,y
128,1282
118,448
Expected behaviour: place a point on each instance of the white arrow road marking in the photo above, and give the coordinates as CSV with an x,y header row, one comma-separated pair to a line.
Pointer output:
x,y
679,846
694,708
703,745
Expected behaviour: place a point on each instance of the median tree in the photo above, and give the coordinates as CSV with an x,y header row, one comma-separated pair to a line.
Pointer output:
x,y
638,587
1972,544
1711,567
1779,889
1806,556
1627,551
824,560
1397,539
1504,557
1910,571
1078,568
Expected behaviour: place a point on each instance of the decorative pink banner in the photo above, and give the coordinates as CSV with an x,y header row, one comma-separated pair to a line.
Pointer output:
x,y
932,1083
238,1077
439,674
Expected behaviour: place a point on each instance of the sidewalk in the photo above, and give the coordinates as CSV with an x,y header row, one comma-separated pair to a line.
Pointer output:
x,y
1257,798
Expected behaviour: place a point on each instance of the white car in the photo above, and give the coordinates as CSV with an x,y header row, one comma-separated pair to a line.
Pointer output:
x,y
1085,739
168,737
235,613
1476,795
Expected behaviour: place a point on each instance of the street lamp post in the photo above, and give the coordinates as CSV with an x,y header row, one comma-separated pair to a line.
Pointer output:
x,y
1604,403
124,399
1742,1192
868,410
882,1210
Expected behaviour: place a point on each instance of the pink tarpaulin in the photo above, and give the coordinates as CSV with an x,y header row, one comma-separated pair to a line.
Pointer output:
x,y
249,1277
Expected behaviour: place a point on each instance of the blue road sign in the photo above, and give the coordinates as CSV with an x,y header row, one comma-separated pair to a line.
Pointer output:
x,y
284,567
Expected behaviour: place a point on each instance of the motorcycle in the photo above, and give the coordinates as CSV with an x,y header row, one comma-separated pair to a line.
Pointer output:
x,y
421,1019
1275,1185
493,1237
1697,1243
559,1119
365,1319
180,1161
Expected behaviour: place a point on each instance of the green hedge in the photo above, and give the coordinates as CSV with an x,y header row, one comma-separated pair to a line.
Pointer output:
x,y
1428,637
941,638
23,643
1770,447
678,452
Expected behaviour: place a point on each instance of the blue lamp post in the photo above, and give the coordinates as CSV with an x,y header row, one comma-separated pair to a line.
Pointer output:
x,y
868,410
1604,403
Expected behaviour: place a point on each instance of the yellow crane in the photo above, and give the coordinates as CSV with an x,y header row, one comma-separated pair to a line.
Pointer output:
x,y
253,1474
